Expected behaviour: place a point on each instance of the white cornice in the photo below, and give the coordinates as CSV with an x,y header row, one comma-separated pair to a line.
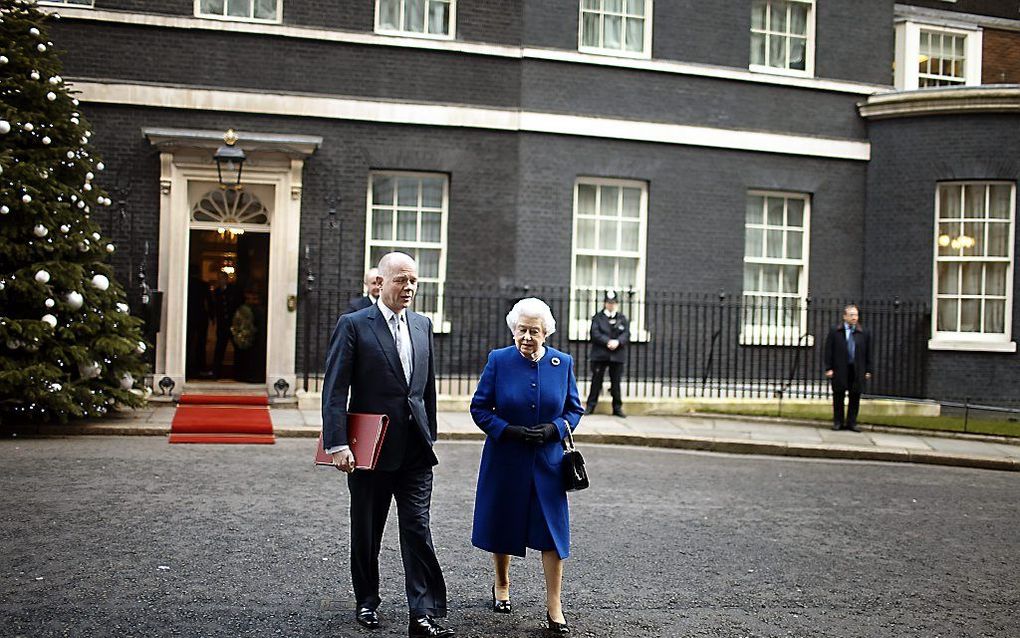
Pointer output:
x,y
941,101
428,114
292,145
953,18
472,48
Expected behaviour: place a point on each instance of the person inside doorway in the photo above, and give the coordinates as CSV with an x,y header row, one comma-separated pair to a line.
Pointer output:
x,y
248,332
225,303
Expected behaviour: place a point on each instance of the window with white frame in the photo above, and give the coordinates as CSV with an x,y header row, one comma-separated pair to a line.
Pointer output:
x,y
244,10
408,212
936,56
617,27
68,3
782,34
775,268
419,18
608,249
974,261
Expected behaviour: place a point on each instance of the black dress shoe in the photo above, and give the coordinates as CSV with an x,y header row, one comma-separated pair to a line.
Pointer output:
x,y
367,618
837,426
619,413
425,627
854,428
556,627
500,606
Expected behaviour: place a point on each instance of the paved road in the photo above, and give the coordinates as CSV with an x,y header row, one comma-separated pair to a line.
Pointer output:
x,y
131,537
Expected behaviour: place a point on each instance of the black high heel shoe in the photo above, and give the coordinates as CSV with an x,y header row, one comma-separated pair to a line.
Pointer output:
x,y
500,606
556,627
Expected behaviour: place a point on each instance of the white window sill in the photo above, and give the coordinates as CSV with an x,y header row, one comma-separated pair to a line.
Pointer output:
x,y
964,345
763,337
75,5
775,70
394,33
616,53
210,16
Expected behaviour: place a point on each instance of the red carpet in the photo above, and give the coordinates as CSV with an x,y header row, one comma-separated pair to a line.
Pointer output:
x,y
208,418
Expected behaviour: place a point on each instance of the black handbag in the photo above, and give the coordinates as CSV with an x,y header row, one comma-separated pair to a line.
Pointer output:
x,y
575,476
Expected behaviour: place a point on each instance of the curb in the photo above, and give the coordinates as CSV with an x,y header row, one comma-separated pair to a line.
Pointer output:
x,y
698,444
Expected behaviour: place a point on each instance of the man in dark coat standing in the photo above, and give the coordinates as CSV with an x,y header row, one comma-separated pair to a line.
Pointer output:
x,y
847,360
380,362
372,285
610,333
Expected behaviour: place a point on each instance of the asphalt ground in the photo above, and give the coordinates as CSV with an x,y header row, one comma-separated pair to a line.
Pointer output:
x,y
130,536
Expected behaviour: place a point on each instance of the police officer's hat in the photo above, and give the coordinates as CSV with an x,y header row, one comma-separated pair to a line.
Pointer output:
x,y
611,296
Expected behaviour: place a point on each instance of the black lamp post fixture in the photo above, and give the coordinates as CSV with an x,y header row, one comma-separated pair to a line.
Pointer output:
x,y
230,160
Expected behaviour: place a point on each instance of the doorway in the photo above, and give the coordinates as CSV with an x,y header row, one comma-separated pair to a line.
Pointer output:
x,y
228,285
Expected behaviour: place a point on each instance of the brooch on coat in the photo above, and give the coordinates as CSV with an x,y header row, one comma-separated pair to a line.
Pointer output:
x,y
555,361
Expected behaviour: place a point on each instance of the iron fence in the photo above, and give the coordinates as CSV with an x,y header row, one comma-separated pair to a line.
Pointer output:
x,y
682,344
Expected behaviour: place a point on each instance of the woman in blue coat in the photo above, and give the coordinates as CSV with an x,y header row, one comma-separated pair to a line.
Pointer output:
x,y
525,402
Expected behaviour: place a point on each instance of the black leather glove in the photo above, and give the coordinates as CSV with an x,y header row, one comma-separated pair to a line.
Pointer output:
x,y
547,431
522,434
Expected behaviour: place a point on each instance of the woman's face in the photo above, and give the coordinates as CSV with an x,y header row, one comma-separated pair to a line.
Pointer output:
x,y
529,335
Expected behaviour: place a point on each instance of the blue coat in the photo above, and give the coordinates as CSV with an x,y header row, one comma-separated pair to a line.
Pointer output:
x,y
515,391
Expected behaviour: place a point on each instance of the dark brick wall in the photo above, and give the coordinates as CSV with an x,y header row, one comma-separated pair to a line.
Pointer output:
x,y
854,40
173,7
1000,58
283,64
646,95
909,157
997,8
696,200
497,22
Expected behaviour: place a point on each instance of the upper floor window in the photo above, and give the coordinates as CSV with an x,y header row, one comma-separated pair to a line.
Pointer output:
x,y
934,56
408,212
775,268
69,3
608,250
616,27
973,264
243,10
782,36
419,18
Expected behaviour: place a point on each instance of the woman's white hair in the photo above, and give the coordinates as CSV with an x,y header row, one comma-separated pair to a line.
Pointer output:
x,y
531,307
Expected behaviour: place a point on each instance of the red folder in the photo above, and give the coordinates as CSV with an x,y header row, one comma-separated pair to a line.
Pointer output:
x,y
365,436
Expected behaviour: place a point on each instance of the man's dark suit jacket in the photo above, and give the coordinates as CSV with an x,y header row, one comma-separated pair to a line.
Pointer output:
x,y
358,303
835,355
363,364
602,330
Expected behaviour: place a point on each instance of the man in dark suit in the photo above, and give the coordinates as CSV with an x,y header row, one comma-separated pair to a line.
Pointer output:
x,y
380,362
610,333
372,285
847,360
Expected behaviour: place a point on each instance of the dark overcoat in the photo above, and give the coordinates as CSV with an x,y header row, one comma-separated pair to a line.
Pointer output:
x,y
516,391
603,329
835,355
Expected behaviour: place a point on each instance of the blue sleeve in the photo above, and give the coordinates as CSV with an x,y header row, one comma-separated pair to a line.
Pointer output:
x,y
337,384
572,410
483,403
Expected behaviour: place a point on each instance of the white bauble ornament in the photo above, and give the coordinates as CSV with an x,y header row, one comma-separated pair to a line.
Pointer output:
x,y
123,307
90,370
74,299
81,203
28,126
49,303
64,228
84,141
26,198
95,236
34,31
127,381
74,198
56,387
4,210
74,101
89,176
41,48
100,166
40,230
101,282
46,140
42,277
140,348
87,187
110,248
74,120
5,127
51,96
70,154
3,59
34,75
56,79
50,320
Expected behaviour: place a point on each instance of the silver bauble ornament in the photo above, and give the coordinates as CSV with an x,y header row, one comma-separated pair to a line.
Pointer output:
x,y
28,126
90,370
26,198
95,236
101,282
4,210
42,277
34,31
34,75
100,166
140,348
49,303
87,187
89,176
127,381
110,248
50,320
64,228
46,139
74,299
56,79
51,96
5,127
41,48
40,230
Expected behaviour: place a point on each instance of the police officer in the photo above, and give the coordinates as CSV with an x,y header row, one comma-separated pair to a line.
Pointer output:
x,y
610,332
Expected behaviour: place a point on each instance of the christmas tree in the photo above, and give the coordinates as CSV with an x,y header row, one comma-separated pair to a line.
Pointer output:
x,y
68,345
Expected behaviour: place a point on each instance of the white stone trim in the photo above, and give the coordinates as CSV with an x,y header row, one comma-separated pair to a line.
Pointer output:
x,y
474,48
342,108
972,346
954,18
987,99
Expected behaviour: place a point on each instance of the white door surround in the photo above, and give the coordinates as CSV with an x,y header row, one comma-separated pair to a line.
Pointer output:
x,y
276,161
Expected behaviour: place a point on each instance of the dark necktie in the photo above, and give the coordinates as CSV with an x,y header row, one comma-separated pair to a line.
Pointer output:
x,y
851,345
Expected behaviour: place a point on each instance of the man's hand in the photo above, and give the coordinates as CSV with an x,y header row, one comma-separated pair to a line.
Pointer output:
x,y
344,461
613,344
828,374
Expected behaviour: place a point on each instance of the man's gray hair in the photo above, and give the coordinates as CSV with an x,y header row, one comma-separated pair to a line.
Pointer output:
x,y
531,307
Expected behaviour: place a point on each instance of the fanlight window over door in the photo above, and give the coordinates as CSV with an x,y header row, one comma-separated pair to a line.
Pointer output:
x,y
230,208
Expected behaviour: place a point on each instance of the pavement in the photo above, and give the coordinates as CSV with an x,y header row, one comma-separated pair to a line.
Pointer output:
x,y
710,433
